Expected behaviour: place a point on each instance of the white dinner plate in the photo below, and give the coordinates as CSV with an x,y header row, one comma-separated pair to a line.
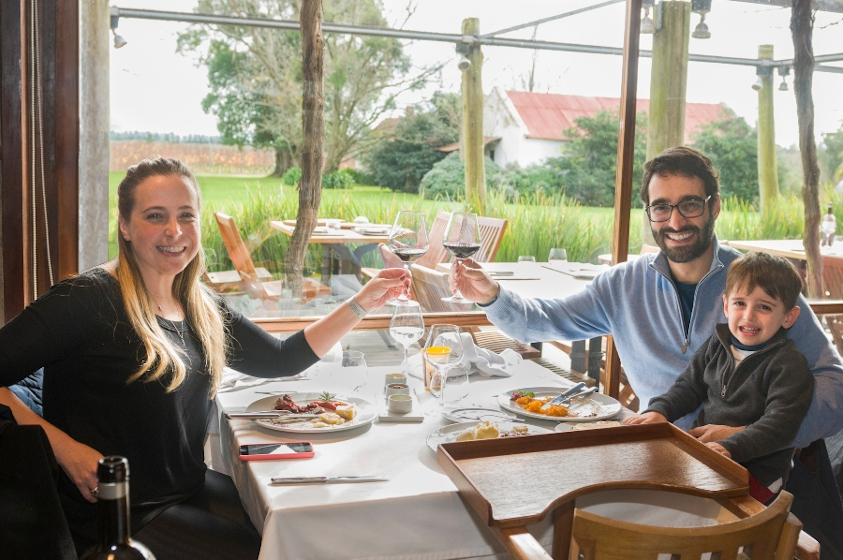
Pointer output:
x,y
366,413
596,407
475,413
373,230
450,433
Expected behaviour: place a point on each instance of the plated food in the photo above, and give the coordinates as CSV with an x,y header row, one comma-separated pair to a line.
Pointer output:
x,y
333,413
530,401
466,431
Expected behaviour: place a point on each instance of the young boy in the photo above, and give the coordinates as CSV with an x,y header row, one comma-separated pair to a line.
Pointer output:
x,y
754,386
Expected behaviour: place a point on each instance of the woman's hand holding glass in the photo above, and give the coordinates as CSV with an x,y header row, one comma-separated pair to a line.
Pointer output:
x,y
406,327
443,352
408,240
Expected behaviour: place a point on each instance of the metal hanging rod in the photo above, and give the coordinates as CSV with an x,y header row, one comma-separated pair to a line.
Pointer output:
x,y
448,37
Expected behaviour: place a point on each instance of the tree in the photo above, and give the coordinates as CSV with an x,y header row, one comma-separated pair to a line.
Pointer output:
x,y
400,159
255,77
589,161
732,146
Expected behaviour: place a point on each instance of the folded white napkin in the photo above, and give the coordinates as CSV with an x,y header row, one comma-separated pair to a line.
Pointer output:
x,y
487,362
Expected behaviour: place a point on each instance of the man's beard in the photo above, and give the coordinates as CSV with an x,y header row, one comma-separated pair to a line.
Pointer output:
x,y
688,253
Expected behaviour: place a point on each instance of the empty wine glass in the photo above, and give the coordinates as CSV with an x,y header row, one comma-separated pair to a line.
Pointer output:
x,y
406,327
408,240
557,255
462,239
443,351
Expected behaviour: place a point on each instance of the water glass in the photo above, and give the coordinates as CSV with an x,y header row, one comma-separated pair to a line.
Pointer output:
x,y
455,387
557,255
406,327
526,258
353,369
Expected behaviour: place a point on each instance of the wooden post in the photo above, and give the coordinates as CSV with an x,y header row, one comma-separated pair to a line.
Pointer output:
x,y
472,122
768,177
801,27
668,83
669,78
313,133
624,179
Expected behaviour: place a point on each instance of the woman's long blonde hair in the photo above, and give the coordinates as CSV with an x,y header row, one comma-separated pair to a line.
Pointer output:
x,y
201,311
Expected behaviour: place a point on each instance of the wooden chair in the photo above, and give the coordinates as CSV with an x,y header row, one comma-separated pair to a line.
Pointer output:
x,y
835,325
772,534
250,280
491,234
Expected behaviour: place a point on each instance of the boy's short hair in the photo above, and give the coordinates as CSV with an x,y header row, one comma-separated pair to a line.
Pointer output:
x,y
773,274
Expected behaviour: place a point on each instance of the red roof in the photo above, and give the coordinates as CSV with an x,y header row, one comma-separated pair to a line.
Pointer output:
x,y
547,115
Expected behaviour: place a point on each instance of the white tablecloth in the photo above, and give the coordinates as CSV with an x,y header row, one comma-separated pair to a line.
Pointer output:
x,y
416,515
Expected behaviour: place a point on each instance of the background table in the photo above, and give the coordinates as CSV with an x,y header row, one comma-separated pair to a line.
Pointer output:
x,y
337,240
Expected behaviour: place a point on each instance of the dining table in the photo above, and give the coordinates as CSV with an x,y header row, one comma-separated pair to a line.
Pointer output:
x,y
337,240
417,513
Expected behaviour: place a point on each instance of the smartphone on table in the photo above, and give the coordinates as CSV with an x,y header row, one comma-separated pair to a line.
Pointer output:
x,y
276,451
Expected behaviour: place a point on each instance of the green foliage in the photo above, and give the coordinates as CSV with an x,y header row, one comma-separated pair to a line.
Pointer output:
x,y
400,159
446,181
535,179
732,146
831,155
588,164
360,178
291,176
337,180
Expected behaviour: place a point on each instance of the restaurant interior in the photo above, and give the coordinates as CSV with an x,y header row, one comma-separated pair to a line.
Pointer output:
x,y
557,495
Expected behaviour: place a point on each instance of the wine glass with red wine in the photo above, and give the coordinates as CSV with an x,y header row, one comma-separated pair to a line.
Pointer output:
x,y
408,240
462,239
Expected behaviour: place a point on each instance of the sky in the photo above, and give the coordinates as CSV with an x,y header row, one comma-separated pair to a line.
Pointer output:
x,y
155,89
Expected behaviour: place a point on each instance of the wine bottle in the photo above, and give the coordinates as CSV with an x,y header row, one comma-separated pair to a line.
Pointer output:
x,y
114,527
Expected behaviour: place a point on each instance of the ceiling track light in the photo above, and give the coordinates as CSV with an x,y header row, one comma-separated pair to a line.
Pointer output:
x,y
647,25
784,71
119,41
701,31
761,72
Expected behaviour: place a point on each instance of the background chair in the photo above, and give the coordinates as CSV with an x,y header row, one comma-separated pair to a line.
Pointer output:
x,y
491,234
250,280
771,534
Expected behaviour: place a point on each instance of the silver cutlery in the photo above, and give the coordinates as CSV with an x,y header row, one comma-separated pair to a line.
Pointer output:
x,y
326,479
565,394
280,414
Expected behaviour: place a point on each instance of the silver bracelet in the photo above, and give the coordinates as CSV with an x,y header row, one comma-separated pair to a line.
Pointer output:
x,y
356,308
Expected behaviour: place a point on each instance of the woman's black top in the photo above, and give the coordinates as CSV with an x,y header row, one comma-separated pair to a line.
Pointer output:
x,y
80,334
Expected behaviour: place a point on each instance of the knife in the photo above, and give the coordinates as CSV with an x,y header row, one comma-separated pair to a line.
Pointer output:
x,y
280,414
326,479
567,393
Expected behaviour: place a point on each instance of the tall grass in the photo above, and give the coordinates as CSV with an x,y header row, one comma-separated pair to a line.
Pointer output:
x,y
536,224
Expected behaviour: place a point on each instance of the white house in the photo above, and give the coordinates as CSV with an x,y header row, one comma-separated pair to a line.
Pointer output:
x,y
526,127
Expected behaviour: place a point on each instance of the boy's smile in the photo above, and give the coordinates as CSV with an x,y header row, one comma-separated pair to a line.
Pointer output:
x,y
755,317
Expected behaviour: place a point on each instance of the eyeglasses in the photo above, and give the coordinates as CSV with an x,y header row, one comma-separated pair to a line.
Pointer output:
x,y
691,208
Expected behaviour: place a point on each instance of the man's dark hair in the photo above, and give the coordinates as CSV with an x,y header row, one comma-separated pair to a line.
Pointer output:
x,y
773,274
683,161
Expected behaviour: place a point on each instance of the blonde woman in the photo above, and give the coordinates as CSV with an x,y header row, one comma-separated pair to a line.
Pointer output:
x,y
133,353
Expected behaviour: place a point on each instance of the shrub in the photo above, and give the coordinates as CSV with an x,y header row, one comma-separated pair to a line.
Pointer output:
x,y
337,180
535,179
291,176
447,179
359,177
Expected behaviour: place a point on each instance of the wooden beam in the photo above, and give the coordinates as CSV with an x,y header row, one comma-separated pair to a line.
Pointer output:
x,y
12,171
624,179
472,122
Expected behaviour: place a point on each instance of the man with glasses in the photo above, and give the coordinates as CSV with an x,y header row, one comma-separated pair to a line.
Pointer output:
x,y
661,307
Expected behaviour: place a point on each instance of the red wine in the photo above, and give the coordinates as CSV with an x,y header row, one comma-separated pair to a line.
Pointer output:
x,y
409,255
113,495
462,250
